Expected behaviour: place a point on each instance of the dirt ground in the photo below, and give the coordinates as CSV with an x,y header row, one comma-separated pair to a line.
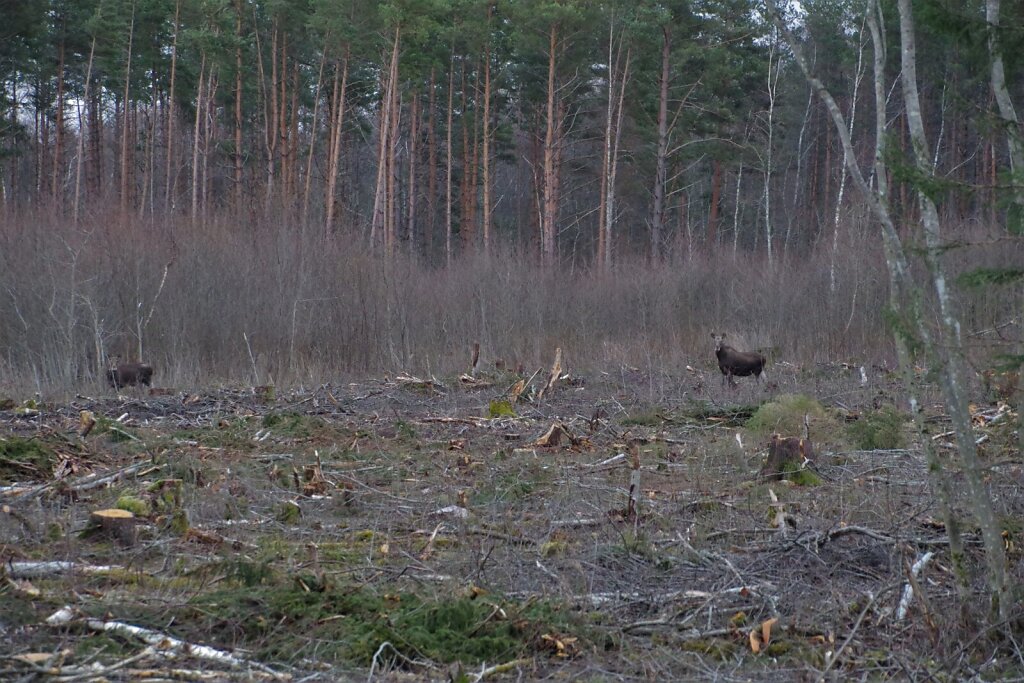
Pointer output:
x,y
429,529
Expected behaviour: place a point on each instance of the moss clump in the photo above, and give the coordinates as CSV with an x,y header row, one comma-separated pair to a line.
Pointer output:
x,y
654,417
349,623
716,648
785,415
726,416
289,512
178,523
554,547
800,476
500,408
291,424
134,505
878,430
234,434
22,458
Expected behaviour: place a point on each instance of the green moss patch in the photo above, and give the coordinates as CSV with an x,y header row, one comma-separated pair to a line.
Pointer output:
x,y
727,416
785,415
500,408
24,458
348,624
653,417
879,429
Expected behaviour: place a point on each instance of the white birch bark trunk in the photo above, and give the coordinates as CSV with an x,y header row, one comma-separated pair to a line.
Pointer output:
x,y
949,346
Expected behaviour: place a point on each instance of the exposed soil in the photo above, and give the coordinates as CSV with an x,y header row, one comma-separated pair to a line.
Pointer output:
x,y
404,529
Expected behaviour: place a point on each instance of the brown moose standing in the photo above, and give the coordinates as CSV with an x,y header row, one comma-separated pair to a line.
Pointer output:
x,y
129,374
735,363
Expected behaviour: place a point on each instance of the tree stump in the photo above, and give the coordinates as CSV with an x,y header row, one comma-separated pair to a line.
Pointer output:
x,y
114,523
786,457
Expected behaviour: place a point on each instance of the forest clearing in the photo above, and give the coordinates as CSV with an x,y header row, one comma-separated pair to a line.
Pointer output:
x,y
739,285
419,529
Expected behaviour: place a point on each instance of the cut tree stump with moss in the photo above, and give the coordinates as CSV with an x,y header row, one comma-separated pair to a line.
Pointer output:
x,y
115,523
788,458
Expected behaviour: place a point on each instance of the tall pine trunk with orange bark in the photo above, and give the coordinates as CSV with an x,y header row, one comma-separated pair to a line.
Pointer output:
x,y
337,121
552,142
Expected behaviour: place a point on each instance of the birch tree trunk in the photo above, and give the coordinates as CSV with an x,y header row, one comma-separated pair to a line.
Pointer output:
x,y
772,86
169,171
196,140
902,281
898,274
716,198
799,183
613,163
125,163
842,172
1008,114
81,133
949,348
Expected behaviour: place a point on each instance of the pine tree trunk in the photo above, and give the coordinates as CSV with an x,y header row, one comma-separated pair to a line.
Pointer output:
x,y
293,142
431,225
661,161
465,219
336,134
312,138
57,195
410,215
603,261
237,155
474,169
269,116
94,177
448,164
284,170
486,215
378,227
392,165
549,193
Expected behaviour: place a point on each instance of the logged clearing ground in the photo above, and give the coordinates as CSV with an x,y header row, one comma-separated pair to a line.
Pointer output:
x,y
439,529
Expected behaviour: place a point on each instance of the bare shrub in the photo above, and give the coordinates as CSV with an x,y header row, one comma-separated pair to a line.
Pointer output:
x,y
223,302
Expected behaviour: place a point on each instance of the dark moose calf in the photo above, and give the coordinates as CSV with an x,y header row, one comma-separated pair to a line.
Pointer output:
x,y
129,374
735,363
